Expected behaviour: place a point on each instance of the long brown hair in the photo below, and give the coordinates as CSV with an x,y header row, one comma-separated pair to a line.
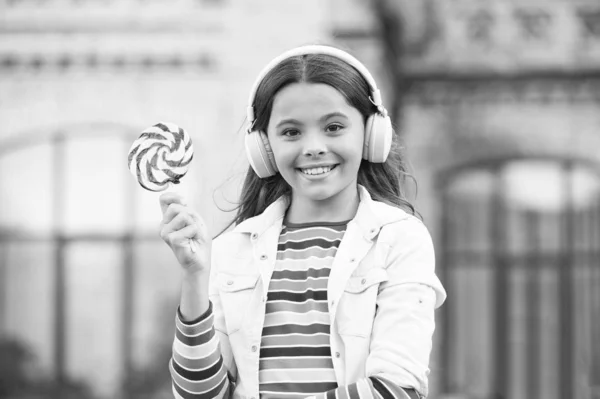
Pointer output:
x,y
384,181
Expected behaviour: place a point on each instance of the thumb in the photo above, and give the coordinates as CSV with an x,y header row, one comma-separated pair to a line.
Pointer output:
x,y
169,198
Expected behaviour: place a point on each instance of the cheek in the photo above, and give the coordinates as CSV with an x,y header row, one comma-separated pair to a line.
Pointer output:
x,y
356,140
282,155
352,150
354,163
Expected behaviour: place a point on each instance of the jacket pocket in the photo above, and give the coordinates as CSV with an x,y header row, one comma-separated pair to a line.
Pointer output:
x,y
236,294
356,310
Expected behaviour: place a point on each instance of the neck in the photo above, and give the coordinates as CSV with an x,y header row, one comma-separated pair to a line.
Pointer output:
x,y
339,208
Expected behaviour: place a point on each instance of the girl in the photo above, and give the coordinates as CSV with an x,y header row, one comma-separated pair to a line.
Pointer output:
x,y
326,285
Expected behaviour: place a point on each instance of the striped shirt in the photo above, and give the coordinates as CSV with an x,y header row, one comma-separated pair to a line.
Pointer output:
x,y
295,355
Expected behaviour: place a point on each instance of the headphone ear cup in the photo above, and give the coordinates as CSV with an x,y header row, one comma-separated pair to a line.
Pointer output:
x,y
260,155
378,138
269,151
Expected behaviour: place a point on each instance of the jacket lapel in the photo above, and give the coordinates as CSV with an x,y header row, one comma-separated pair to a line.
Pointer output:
x,y
358,240
263,233
265,253
356,243
352,250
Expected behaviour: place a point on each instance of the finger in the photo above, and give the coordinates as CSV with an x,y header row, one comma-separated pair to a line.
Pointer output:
x,y
175,209
169,198
179,222
182,237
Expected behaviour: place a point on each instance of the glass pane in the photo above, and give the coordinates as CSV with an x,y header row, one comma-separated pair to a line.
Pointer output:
x,y
550,331
532,235
93,313
586,187
534,185
518,322
585,221
471,324
29,294
595,300
550,234
157,287
476,184
539,185
470,220
583,319
516,232
26,180
95,173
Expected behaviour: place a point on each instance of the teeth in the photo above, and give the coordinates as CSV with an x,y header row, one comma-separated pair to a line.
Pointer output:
x,y
317,171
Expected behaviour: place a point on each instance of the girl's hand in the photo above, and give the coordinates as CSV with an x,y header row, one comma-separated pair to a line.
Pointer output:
x,y
179,225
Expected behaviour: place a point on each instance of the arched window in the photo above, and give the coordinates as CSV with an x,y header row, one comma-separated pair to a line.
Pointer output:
x,y
521,263
82,279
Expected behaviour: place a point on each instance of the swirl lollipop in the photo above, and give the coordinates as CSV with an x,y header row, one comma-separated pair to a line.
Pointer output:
x,y
160,157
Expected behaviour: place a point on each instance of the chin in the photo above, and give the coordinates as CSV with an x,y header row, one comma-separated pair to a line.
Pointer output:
x,y
322,194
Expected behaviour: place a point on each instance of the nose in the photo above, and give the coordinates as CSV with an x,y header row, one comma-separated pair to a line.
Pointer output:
x,y
314,145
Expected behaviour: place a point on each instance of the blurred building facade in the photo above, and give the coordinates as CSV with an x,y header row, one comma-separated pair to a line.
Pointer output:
x,y
498,104
502,126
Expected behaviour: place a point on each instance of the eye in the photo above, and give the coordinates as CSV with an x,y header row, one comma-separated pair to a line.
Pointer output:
x,y
334,127
290,133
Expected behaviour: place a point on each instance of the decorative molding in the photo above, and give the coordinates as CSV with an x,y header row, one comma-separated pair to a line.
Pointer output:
x,y
589,20
106,3
534,23
513,36
350,33
479,26
203,62
535,87
123,25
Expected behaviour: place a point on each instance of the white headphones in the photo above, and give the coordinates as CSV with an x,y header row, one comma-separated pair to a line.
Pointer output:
x,y
378,128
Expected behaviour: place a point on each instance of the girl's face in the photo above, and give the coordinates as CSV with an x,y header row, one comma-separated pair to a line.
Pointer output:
x,y
317,141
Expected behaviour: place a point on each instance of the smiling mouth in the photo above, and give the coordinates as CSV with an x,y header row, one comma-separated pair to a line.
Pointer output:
x,y
321,170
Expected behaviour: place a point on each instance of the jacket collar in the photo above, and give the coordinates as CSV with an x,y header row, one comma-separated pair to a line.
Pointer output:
x,y
370,217
258,224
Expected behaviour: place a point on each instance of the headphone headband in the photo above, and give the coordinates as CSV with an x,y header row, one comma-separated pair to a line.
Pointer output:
x,y
315,49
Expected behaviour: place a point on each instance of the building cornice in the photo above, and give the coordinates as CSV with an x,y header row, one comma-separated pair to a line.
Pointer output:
x,y
542,86
121,62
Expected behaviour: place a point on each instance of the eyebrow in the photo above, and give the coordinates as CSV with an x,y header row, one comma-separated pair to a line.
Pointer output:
x,y
323,118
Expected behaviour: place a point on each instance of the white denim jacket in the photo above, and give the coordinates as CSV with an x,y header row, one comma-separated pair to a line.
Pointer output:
x,y
382,292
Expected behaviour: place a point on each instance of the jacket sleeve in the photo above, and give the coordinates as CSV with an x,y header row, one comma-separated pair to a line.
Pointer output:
x,y
401,340
369,388
202,365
